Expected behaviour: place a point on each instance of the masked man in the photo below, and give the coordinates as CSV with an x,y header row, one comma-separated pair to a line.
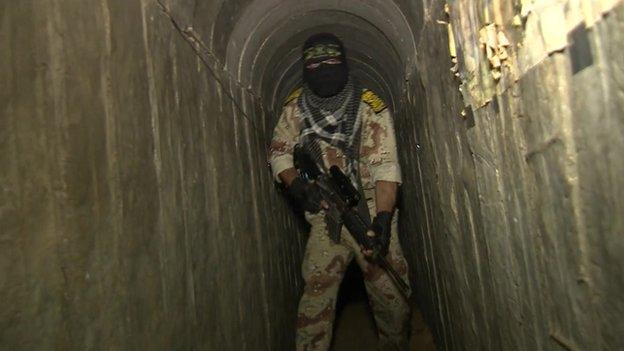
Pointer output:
x,y
340,123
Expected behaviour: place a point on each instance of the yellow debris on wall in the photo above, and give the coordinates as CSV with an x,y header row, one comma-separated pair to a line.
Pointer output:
x,y
495,44
500,41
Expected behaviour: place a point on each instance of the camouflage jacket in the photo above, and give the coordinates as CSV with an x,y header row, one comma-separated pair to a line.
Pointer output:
x,y
378,154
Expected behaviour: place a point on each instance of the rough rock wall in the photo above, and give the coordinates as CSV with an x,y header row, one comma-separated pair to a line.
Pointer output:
x,y
136,207
513,211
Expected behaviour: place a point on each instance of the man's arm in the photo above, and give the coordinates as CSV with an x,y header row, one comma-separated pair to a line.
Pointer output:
x,y
385,199
285,136
381,156
385,195
380,151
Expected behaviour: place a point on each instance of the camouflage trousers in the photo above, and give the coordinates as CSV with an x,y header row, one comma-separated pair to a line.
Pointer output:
x,y
324,265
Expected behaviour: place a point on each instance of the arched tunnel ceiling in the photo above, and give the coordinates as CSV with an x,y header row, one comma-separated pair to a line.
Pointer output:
x,y
282,65
264,44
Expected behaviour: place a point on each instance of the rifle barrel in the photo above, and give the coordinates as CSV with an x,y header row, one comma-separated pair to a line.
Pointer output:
x,y
394,275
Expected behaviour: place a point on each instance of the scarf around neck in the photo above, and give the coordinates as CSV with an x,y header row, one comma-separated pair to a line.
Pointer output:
x,y
334,120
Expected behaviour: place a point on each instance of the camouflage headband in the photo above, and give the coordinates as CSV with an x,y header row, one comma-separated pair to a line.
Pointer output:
x,y
322,51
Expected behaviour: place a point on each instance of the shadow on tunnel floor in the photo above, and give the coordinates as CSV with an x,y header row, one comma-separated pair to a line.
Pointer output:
x,y
355,327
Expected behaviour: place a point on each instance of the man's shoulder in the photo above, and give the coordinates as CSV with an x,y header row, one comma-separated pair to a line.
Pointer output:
x,y
373,100
293,96
369,97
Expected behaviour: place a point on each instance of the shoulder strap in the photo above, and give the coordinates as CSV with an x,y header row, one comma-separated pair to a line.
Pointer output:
x,y
293,95
374,101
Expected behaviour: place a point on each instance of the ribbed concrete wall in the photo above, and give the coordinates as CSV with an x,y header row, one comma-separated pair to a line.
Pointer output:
x,y
513,213
137,210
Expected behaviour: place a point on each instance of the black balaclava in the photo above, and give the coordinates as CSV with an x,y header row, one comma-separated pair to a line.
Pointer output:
x,y
325,80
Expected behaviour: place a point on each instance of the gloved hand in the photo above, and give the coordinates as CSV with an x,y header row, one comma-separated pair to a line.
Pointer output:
x,y
306,195
380,242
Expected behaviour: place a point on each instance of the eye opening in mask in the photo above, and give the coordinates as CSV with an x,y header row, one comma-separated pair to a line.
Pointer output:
x,y
330,61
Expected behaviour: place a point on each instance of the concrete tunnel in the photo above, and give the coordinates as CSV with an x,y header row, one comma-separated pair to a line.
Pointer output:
x,y
137,210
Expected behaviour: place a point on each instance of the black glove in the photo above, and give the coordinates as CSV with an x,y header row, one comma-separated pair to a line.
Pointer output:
x,y
306,195
381,227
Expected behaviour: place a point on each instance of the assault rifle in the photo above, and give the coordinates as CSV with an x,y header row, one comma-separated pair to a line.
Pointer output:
x,y
342,199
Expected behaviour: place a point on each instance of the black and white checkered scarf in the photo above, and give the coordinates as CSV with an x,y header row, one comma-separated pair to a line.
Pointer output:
x,y
334,120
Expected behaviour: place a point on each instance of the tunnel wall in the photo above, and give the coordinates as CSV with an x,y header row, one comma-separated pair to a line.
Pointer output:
x,y
136,207
512,209
125,225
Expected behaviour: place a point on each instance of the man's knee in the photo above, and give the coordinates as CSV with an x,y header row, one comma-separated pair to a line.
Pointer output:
x,y
318,284
323,270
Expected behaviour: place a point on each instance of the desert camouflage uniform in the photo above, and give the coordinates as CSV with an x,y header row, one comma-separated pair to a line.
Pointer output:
x,y
325,262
